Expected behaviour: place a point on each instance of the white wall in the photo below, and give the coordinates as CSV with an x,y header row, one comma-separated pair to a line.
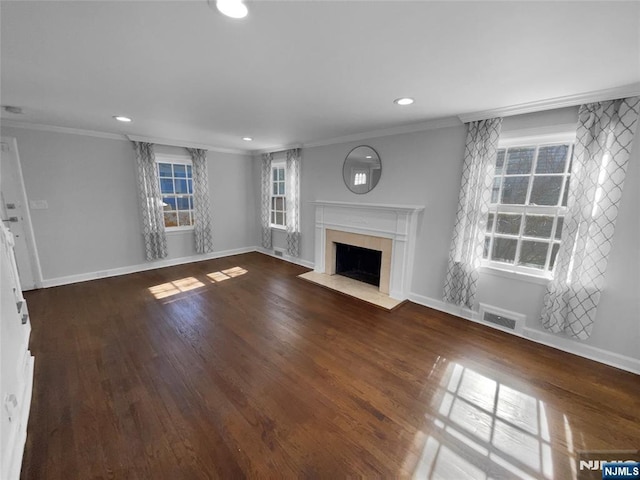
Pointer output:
x,y
93,220
424,168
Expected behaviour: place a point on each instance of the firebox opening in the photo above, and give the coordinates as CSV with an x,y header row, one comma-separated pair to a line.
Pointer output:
x,y
358,263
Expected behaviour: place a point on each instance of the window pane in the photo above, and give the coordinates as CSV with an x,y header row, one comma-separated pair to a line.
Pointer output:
x,y
514,190
508,223
545,190
500,161
273,217
181,185
275,174
164,169
189,174
559,226
279,218
170,219
184,218
554,254
281,188
180,171
281,174
538,226
183,203
487,242
504,249
169,203
519,160
495,191
552,159
166,185
190,202
533,254
279,203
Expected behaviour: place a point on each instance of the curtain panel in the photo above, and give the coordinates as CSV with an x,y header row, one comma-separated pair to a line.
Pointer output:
x,y
150,200
202,229
465,254
293,202
265,217
603,142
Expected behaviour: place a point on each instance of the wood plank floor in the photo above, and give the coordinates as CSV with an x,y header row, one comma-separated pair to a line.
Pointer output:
x,y
235,368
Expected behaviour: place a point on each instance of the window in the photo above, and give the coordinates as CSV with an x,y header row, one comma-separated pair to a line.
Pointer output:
x,y
278,196
528,205
360,178
176,187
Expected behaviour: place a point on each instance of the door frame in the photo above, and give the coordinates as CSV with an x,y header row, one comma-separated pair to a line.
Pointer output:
x,y
28,225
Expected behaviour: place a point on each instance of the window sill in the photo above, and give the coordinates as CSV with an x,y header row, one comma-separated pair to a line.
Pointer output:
x,y
178,230
524,277
279,227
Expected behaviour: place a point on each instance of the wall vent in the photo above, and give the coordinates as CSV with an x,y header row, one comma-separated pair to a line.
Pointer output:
x,y
278,252
502,319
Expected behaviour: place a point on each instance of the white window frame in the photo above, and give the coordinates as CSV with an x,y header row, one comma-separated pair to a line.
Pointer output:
x,y
560,137
176,160
278,166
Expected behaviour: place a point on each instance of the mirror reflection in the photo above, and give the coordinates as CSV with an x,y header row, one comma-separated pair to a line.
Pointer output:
x,y
362,169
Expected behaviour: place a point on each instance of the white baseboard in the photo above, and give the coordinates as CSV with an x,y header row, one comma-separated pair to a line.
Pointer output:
x,y
560,343
170,262
285,257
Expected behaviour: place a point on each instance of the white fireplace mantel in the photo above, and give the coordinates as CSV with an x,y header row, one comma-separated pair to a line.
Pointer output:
x,y
397,222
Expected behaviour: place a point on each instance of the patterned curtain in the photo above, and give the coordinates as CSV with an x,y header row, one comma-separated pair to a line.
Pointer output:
x,y
201,206
265,219
293,202
603,143
155,240
461,283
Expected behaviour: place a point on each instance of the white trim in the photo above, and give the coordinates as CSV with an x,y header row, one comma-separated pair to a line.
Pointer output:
x,y
564,344
554,103
385,132
379,206
565,133
114,272
184,144
68,130
520,276
183,159
285,257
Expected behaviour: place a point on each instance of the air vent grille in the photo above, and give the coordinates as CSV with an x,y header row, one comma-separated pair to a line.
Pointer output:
x,y
499,320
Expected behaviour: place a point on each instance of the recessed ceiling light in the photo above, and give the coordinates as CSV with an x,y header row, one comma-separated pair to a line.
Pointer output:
x,y
232,8
120,118
368,156
247,139
403,101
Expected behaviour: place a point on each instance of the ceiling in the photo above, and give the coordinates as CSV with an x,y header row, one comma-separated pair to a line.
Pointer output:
x,y
298,72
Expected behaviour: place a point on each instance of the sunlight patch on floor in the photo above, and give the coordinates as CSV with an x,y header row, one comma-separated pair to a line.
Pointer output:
x,y
187,284
482,429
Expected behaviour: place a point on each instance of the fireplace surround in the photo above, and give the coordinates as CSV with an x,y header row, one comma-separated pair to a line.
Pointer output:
x,y
390,229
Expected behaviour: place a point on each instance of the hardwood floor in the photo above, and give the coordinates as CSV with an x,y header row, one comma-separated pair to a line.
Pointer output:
x,y
235,368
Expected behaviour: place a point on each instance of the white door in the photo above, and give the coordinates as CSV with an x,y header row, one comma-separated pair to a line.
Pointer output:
x,y
15,214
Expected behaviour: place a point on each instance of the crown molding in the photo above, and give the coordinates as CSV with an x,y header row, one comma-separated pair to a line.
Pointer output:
x,y
631,90
385,132
183,144
52,128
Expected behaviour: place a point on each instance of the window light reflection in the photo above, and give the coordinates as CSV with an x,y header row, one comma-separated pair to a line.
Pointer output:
x,y
482,429
186,284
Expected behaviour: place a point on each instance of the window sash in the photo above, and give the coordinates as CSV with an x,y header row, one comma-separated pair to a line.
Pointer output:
x,y
278,184
523,210
170,214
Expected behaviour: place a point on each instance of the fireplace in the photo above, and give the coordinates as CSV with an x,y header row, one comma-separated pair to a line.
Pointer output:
x,y
362,264
388,229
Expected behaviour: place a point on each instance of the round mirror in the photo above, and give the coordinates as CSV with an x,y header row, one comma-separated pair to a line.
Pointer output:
x,y
362,169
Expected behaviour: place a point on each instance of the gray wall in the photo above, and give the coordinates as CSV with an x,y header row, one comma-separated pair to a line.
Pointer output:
x,y
93,221
424,168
